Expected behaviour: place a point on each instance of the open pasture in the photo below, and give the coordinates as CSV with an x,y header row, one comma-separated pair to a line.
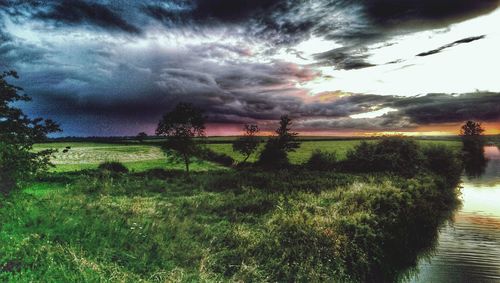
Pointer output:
x,y
138,157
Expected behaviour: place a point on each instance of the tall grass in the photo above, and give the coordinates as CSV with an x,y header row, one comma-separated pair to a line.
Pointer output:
x,y
159,226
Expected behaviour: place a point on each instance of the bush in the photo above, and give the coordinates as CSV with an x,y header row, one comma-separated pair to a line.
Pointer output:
x,y
273,156
443,161
220,158
393,154
113,166
322,161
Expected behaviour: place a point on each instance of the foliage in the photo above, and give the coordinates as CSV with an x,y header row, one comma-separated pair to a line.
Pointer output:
x,y
275,152
18,133
249,143
390,154
113,166
322,160
443,161
473,149
471,128
181,126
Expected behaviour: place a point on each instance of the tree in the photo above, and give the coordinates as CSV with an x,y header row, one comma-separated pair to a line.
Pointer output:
x,y
472,137
141,136
275,152
249,143
471,129
181,126
18,133
473,149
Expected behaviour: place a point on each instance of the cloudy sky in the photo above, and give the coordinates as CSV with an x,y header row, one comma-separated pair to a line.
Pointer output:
x,y
338,67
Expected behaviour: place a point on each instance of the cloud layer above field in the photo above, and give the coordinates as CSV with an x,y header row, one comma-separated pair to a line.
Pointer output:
x,y
113,67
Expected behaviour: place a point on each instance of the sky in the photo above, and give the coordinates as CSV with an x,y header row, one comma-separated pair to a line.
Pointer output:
x,y
336,67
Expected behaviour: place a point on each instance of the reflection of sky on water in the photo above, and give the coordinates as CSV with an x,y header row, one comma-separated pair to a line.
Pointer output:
x,y
468,249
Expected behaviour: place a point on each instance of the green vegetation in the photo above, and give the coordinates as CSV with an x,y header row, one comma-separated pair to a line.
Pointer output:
x,y
217,226
160,225
88,155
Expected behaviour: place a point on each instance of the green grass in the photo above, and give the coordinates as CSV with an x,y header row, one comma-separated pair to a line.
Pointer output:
x,y
137,157
341,147
218,226
141,157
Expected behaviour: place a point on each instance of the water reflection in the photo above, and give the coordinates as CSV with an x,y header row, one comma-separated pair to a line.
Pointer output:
x,y
475,161
468,247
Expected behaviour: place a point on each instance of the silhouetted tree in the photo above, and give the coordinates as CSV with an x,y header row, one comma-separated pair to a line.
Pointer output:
x,y
249,143
181,127
275,152
141,136
18,133
473,149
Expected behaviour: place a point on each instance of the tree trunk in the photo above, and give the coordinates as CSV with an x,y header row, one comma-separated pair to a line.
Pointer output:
x,y
246,158
186,161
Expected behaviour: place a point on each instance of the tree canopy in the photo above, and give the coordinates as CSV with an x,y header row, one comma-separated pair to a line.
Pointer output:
x,y
181,126
249,143
18,133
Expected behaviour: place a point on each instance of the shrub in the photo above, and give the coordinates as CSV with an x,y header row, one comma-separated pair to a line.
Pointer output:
x,y
392,154
322,161
113,166
443,161
273,156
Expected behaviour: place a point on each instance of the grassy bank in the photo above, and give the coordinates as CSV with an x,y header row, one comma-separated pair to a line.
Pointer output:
x,y
160,226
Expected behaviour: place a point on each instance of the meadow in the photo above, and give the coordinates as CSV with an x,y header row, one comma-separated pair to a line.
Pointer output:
x,y
148,155
157,224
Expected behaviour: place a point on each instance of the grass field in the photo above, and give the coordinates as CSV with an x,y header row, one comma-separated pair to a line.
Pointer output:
x,y
219,225
140,157
341,147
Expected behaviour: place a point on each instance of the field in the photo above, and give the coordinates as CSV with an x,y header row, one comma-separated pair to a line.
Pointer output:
x,y
220,224
141,157
137,157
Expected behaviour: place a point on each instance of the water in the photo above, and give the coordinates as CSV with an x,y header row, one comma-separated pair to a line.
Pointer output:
x,y
468,247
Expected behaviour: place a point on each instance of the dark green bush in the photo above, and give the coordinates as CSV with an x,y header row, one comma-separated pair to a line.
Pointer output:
x,y
322,161
392,154
273,156
113,166
443,161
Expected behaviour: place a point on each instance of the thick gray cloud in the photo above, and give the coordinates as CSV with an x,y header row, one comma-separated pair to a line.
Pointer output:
x,y
105,63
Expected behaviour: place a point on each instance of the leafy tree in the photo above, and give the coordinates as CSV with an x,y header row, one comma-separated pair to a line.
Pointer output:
x,y
18,133
181,126
249,143
141,136
471,129
473,148
275,152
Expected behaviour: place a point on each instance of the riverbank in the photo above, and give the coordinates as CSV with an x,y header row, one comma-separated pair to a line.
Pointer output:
x,y
219,226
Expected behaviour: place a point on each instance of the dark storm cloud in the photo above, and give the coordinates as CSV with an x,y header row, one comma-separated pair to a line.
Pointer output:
x,y
442,108
347,58
93,79
396,11
77,12
461,41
